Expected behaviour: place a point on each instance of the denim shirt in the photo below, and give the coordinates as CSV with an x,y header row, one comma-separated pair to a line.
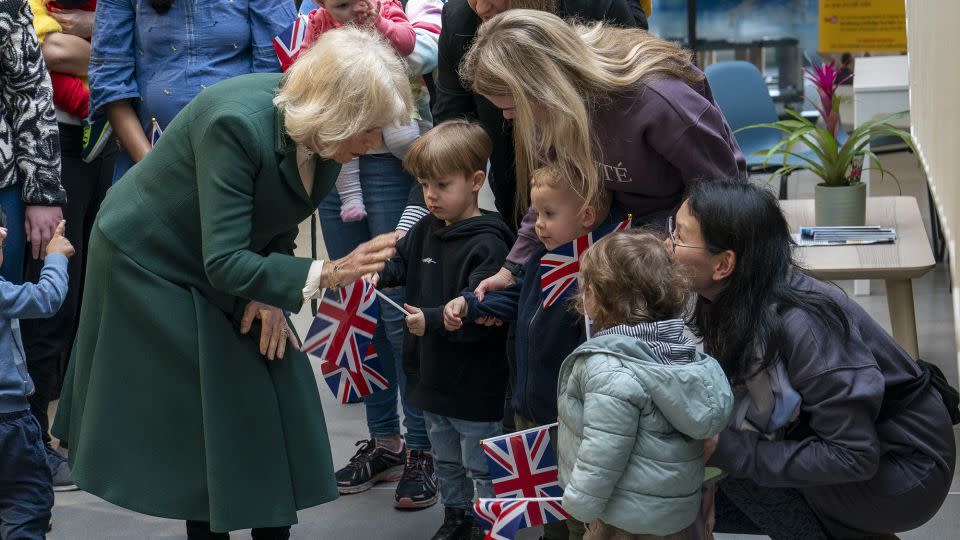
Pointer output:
x,y
166,60
28,301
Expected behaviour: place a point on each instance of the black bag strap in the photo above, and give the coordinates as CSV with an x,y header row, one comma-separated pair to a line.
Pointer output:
x,y
898,397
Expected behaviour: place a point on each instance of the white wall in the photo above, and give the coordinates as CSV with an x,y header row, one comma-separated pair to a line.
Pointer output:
x,y
933,41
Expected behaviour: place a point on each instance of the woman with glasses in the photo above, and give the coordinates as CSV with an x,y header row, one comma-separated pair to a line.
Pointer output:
x,y
825,442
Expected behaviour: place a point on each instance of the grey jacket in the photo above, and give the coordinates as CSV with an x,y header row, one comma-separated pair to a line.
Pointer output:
x,y
633,413
29,140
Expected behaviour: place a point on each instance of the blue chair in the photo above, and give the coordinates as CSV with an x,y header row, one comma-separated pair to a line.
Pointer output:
x,y
743,98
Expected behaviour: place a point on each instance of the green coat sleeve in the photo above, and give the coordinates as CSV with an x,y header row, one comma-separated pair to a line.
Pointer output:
x,y
228,166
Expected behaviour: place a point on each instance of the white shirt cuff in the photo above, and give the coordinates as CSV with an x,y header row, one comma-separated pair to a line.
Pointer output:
x,y
312,288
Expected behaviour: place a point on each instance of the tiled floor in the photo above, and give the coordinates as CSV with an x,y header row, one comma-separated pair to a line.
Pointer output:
x,y
80,516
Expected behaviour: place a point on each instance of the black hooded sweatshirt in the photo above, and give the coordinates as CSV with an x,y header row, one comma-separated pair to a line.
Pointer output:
x,y
460,374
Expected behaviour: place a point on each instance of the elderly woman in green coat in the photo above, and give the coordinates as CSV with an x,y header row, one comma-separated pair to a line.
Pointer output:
x,y
183,399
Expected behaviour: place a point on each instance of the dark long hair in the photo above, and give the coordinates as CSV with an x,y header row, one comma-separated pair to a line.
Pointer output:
x,y
161,6
743,327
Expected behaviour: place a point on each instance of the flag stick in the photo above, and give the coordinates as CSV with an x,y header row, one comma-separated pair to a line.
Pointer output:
x,y
392,303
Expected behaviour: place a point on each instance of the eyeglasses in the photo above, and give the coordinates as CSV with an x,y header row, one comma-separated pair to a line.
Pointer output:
x,y
671,229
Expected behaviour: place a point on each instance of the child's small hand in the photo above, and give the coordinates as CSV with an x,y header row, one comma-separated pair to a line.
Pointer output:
x,y
415,322
709,447
453,313
489,321
59,243
368,17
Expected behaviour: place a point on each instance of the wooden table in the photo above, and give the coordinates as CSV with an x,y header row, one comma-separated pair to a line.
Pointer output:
x,y
909,257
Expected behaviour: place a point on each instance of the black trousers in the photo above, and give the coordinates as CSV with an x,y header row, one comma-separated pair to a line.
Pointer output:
x,y
743,507
200,530
46,340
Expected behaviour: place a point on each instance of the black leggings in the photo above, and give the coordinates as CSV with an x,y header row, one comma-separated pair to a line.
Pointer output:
x,y
200,530
743,507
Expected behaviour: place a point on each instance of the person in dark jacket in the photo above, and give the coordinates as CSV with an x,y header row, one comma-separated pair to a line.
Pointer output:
x,y
545,335
817,447
456,377
461,19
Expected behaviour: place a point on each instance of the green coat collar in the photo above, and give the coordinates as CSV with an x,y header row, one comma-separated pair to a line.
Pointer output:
x,y
287,159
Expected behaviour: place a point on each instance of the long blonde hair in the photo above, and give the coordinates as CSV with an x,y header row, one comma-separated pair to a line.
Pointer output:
x,y
349,81
557,73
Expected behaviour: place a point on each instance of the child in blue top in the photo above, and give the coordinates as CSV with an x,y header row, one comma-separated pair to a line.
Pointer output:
x,y
26,490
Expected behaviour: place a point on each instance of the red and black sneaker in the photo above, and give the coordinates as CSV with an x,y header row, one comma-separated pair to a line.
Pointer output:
x,y
418,485
370,465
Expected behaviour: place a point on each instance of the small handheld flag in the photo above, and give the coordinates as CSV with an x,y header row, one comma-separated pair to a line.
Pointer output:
x,y
523,464
155,132
502,518
560,267
348,385
288,43
344,325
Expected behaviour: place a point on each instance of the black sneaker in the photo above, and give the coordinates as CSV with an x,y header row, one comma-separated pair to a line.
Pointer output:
x,y
370,465
60,471
475,532
452,528
418,486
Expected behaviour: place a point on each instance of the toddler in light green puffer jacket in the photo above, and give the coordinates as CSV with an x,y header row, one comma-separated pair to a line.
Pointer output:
x,y
636,400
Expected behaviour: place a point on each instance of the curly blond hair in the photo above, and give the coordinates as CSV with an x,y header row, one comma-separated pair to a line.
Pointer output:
x,y
348,82
631,279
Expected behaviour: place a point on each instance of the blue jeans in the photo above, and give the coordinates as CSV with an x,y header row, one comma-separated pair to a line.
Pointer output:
x,y
386,187
14,248
26,488
459,459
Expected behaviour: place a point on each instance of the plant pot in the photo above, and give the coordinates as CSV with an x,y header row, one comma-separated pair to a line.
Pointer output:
x,y
840,205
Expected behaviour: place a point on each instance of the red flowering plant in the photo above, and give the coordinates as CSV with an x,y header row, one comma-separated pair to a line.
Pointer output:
x,y
837,164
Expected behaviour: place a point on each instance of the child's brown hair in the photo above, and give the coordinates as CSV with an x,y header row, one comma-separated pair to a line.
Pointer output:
x,y
631,279
452,147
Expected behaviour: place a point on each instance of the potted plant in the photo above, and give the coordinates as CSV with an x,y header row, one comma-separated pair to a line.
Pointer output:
x,y
840,198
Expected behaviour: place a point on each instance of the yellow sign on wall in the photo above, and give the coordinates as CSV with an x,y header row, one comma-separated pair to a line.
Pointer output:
x,y
862,25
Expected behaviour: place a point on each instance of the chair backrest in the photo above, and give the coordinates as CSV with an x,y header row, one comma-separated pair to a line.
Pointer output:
x,y
744,99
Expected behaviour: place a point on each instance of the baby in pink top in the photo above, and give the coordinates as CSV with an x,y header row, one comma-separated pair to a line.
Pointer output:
x,y
389,19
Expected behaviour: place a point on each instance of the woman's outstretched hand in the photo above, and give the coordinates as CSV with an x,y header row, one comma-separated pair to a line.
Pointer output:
x,y
367,258
500,280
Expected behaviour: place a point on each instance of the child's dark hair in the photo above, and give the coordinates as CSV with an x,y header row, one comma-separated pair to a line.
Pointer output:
x,y
631,279
452,147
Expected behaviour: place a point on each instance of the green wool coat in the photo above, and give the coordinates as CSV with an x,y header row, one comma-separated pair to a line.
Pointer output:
x,y
168,409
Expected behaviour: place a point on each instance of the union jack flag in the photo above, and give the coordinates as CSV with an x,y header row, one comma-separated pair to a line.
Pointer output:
x,y
155,132
348,385
560,267
289,42
502,518
523,464
344,325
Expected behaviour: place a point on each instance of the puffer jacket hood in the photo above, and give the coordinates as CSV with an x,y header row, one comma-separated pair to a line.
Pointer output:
x,y
633,413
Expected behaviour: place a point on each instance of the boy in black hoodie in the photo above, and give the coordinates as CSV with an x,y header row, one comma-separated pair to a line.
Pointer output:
x,y
456,377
